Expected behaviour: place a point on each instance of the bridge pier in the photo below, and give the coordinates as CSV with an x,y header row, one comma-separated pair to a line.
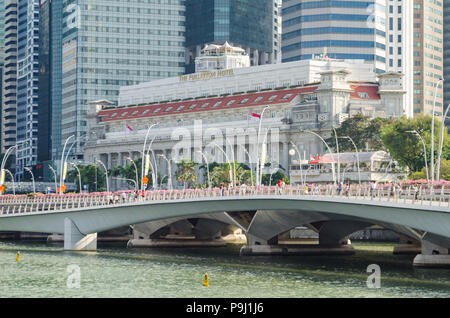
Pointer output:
x,y
74,240
435,252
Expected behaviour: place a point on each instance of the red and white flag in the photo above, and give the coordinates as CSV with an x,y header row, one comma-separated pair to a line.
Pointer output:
x,y
255,115
313,159
129,128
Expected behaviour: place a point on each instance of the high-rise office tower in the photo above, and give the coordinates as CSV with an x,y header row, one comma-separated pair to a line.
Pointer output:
x,y
50,14
97,46
428,56
27,83
336,29
2,52
399,44
446,53
378,31
247,24
9,78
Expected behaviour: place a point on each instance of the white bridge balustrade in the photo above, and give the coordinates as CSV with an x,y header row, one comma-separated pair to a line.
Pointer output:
x,y
423,195
422,211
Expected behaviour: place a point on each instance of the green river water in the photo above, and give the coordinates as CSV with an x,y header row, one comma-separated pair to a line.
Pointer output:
x,y
115,271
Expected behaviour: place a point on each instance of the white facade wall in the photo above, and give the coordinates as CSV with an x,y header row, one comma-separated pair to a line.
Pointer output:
x,y
244,79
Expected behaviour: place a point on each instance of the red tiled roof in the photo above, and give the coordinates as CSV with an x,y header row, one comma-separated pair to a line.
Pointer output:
x,y
361,91
216,103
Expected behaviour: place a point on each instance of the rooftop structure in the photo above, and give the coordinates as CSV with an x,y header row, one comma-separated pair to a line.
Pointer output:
x,y
219,57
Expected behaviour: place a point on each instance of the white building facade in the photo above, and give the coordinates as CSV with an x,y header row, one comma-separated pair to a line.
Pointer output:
x,y
193,115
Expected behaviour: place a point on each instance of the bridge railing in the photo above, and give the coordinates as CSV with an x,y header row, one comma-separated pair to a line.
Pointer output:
x,y
409,194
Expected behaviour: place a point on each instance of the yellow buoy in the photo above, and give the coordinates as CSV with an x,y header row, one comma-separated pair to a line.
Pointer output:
x,y
18,256
205,280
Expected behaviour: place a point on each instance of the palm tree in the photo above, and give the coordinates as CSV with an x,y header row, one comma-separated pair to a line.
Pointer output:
x,y
186,172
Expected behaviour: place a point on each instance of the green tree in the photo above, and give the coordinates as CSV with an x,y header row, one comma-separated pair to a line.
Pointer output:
x,y
186,172
276,176
406,147
91,176
129,172
363,131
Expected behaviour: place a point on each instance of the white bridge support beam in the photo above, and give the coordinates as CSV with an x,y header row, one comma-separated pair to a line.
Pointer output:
x,y
435,252
74,240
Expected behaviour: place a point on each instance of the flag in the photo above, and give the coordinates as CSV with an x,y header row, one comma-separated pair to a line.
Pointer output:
x,y
255,115
129,128
313,159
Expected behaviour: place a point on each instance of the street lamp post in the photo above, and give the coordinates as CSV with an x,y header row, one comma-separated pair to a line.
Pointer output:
x,y
63,161
424,151
263,147
329,150
135,169
338,157
12,179
207,167
79,174
234,160
54,174
441,142
32,178
432,131
125,179
250,162
144,155
257,146
229,163
357,157
292,152
5,158
106,171
169,170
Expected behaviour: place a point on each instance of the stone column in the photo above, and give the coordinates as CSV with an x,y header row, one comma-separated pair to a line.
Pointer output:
x,y
284,157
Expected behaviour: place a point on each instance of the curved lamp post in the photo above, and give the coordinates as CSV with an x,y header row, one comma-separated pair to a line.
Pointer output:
x,y
338,156
424,150
432,131
257,146
441,142
229,163
79,174
135,169
63,161
32,178
125,179
5,158
292,152
234,160
54,174
249,161
12,179
357,157
106,171
144,155
207,167
329,150
262,150
169,184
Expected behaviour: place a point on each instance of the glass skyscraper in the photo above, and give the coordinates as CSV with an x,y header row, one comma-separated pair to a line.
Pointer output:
x,y
245,23
337,29
97,46
27,83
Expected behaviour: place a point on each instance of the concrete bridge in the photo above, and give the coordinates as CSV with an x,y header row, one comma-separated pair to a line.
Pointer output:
x,y
423,216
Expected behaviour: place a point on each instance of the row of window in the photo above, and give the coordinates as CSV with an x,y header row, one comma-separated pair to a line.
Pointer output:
x,y
333,17
333,43
332,30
